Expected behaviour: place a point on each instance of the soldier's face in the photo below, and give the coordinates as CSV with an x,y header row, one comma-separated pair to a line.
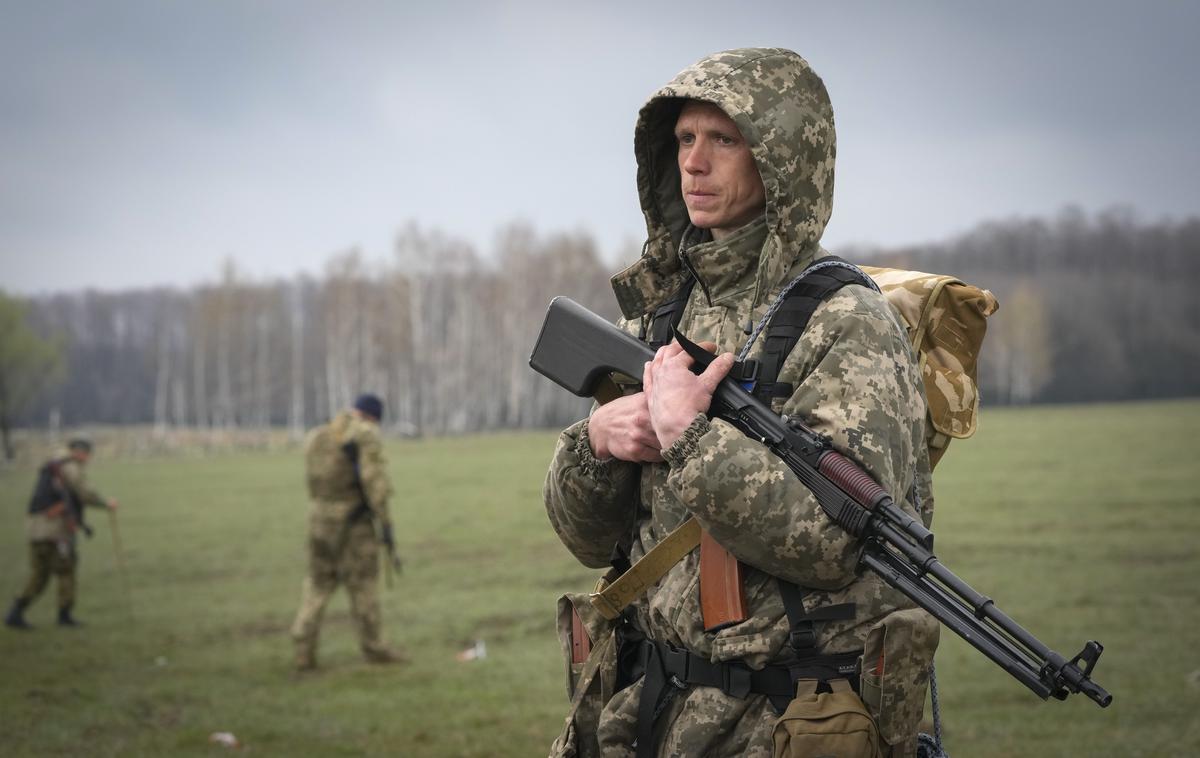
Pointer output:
x,y
721,186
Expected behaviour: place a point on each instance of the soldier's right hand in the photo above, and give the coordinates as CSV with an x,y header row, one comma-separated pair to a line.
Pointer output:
x,y
621,429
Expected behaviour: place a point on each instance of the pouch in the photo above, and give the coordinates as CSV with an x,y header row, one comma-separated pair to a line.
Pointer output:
x,y
826,725
895,665
590,682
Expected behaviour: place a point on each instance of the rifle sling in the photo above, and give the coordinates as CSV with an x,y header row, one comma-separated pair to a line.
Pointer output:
x,y
652,566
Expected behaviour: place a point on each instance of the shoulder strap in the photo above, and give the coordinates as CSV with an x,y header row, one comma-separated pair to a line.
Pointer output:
x,y
788,317
666,317
651,567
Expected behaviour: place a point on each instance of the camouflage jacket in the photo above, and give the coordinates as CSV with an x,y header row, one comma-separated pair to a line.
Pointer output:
x,y
331,476
854,377
73,476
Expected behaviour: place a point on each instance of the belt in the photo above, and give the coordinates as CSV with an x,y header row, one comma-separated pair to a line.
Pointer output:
x,y
667,670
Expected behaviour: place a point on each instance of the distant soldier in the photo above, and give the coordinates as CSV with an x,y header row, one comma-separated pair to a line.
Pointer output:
x,y
349,487
55,517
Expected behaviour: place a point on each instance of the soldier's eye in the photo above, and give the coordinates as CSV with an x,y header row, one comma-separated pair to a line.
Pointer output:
x,y
685,139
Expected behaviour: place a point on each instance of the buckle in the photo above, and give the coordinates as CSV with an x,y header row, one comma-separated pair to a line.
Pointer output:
x,y
745,371
803,639
605,606
735,679
674,662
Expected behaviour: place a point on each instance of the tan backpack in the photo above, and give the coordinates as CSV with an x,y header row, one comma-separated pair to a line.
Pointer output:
x,y
946,321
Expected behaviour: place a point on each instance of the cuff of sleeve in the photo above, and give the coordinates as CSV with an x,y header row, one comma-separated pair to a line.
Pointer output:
x,y
688,443
589,464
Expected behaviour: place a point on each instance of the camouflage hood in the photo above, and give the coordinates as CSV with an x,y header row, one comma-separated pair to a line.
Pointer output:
x,y
783,111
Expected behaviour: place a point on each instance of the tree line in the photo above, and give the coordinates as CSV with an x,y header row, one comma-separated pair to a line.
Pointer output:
x,y
1098,307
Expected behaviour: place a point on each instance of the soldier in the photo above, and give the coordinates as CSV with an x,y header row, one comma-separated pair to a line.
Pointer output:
x,y
349,488
55,516
735,175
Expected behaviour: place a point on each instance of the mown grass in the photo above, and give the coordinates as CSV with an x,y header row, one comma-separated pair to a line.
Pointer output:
x,y
1080,521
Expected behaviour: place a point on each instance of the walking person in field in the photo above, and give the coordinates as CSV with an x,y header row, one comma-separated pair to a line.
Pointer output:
x,y
56,516
348,488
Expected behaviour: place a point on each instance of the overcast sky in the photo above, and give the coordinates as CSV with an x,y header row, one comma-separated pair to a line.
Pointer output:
x,y
143,142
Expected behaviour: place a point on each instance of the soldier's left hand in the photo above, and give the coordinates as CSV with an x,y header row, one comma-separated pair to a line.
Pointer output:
x,y
674,394
112,503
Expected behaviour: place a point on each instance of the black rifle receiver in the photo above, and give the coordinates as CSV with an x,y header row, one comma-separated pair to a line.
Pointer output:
x,y
578,350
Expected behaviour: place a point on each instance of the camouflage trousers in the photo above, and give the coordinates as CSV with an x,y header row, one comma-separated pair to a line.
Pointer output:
x,y
340,555
46,558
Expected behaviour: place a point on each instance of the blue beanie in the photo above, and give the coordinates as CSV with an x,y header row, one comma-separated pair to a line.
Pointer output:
x,y
370,405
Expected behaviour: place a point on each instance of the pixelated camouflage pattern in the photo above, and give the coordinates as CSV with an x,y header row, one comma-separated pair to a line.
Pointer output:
x,y
73,474
597,676
783,111
946,321
855,380
51,558
902,644
330,475
341,552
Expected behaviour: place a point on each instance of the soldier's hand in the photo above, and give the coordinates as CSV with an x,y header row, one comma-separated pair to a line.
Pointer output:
x,y
674,394
621,429
112,503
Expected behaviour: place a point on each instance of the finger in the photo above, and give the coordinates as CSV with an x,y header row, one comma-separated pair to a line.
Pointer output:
x,y
646,438
716,371
657,360
647,381
652,455
682,359
647,454
709,346
638,453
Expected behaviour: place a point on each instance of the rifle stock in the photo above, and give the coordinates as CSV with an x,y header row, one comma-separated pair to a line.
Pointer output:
x,y
577,349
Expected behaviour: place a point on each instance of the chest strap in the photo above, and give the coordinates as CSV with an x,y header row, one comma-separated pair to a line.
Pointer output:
x,y
788,317
667,316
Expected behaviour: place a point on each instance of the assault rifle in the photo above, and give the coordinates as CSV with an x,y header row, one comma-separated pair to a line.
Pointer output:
x,y
363,510
580,351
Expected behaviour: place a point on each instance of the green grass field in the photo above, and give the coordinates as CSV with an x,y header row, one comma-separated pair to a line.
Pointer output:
x,y
1081,522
